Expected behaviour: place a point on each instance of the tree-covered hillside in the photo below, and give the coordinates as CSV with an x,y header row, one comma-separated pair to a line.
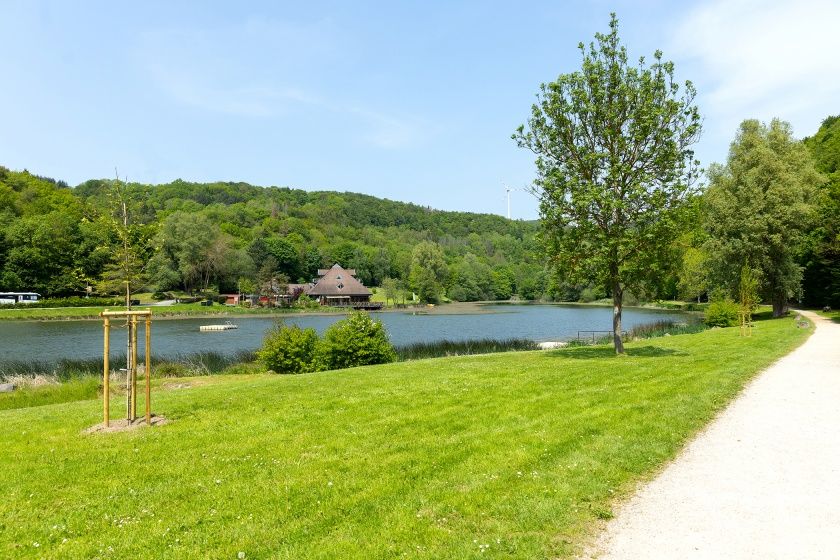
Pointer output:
x,y
821,282
198,236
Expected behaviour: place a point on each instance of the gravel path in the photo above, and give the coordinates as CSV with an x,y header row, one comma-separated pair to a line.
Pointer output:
x,y
762,481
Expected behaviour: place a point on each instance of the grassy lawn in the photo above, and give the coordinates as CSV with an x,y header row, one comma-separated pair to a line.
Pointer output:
x,y
512,455
833,315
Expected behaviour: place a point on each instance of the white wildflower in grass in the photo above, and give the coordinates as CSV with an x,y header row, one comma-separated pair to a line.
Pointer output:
x,y
240,555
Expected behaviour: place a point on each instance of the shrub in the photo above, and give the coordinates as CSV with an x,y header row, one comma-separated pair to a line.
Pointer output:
x,y
305,302
722,313
357,340
289,349
588,295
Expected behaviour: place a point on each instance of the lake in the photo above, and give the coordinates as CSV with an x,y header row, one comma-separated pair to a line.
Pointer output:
x,y
50,341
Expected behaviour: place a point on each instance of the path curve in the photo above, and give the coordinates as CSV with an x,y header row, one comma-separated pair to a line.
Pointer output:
x,y
761,481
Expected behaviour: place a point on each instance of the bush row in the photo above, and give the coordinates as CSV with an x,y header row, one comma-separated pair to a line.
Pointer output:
x,y
75,301
354,341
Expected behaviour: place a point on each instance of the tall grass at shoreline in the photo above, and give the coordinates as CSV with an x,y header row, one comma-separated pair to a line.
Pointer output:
x,y
443,348
199,363
661,328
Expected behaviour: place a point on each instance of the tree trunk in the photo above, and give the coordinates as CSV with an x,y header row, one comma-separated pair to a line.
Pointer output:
x,y
779,305
618,295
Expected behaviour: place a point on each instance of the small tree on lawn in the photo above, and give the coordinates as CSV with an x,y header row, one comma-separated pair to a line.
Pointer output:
x,y
747,298
613,165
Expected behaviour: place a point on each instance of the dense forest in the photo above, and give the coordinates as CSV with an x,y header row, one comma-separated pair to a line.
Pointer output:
x,y
224,237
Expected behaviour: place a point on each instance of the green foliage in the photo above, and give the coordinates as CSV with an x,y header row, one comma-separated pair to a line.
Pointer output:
x,y
759,208
193,252
590,294
821,277
721,313
614,166
693,277
471,281
190,236
289,349
391,288
748,291
428,271
502,281
67,302
306,302
355,341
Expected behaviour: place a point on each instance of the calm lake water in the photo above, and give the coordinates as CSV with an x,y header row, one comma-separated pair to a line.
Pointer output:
x,y
56,340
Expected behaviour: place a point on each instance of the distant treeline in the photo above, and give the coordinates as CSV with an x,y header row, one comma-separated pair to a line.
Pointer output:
x,y
225,237
229,236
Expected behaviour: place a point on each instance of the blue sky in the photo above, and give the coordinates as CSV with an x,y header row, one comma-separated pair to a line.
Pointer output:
x,y
412,101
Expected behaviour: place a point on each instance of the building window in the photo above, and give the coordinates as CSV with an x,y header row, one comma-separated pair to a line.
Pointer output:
x,y
340,286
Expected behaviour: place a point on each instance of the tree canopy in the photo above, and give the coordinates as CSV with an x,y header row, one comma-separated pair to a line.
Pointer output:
x,y
821,281
759,208
614,164
57,240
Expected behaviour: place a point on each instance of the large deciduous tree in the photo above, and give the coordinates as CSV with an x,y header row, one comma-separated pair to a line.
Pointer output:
x,y
758,210
614,162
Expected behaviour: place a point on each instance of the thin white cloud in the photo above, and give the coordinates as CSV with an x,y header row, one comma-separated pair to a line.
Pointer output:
x,y
248,70
389,132
763,59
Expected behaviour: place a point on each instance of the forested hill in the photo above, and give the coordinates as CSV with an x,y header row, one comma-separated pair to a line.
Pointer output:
x,y
346,209
195,236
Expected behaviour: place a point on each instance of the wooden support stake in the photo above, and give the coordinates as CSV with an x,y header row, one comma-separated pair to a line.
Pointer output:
x,y
149,370
106,374
133,367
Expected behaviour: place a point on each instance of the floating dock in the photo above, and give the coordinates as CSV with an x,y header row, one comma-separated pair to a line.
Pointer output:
x,y
215,328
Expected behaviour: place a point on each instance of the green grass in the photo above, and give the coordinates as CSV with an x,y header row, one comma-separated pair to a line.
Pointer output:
x,y
513,455
833,315
78,389
74,380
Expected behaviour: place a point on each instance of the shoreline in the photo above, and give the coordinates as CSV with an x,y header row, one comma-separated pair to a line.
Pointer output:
x,y
454,308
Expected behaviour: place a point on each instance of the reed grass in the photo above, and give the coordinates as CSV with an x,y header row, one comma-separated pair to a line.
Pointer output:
x,y
443,348
661,328
199,363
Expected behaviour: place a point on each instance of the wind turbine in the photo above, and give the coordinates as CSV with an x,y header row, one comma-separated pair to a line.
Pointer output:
x,y
507,191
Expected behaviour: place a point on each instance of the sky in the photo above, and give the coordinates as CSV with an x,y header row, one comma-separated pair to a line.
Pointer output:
x,y
411,101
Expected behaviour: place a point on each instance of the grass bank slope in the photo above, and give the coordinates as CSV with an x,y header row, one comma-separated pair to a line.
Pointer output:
x,y
497,456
